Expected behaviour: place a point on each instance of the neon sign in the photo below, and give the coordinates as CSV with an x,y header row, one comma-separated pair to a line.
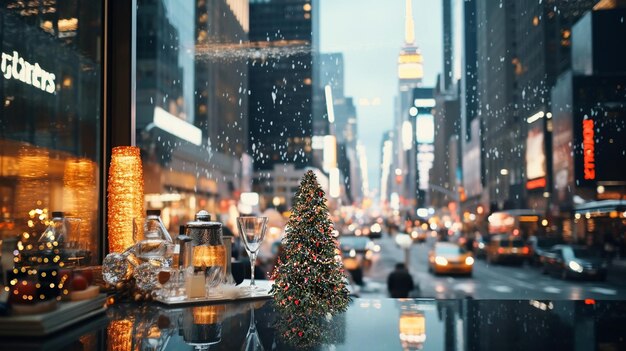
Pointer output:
x,y
589,161
15,67
536,183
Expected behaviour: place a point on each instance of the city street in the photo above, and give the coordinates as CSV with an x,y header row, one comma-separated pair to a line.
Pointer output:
x,y
488,281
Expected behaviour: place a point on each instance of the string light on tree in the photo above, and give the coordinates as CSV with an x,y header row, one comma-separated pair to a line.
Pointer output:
x,y
309,279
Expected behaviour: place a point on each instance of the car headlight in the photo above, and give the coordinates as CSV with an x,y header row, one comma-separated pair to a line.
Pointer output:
x,y
441,261
481,245
352,253
469,260
575,266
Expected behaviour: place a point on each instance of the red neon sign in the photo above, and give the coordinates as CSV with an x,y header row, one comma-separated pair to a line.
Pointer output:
x,y
536,183
589,145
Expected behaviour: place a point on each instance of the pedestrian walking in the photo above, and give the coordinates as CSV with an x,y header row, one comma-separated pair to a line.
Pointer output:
x,y
400,282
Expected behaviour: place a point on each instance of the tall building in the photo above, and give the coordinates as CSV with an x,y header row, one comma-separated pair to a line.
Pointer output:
x,y
522,47
423,127
162,76
497,94
280,106
445,176
344,126
191,104
221,98
410,74
543,37
445,173
589,129
285,106
471,124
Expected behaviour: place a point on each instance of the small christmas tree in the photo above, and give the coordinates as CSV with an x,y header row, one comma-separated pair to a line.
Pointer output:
x,y
308,277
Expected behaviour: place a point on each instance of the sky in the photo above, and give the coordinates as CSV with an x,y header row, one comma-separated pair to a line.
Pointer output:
x,y
370,33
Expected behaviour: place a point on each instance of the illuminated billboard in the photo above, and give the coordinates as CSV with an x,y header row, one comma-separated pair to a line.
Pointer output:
x,y
425,129
425,136
536,155
588,134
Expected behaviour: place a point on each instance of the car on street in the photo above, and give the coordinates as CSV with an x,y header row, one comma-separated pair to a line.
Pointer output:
x,y
358,248
538,245
507,248
449,258
569,261
376,231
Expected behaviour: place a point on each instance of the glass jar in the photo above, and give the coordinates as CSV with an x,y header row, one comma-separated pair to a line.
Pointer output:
x,y
152,239
56,231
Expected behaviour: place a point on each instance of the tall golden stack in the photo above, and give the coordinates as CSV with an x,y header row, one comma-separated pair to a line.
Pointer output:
x,y
80,194
125,196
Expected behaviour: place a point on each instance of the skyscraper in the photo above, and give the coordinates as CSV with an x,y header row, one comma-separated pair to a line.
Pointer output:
x,y
445,174
471,143
497,94
286,106
281,85
191,103
589,123
543,37
221,99
345,123
522,47
410,74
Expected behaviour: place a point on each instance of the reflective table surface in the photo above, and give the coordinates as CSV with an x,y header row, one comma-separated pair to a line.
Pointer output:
x,y
368,324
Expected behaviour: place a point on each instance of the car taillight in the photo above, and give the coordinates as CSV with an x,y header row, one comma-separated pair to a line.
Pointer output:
x,y
500,250
525,250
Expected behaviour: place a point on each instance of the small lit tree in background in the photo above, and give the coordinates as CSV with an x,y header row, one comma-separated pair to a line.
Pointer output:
x,y
308,279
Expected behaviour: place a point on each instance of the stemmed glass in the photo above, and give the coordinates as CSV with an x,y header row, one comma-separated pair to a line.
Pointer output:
x,y
252,342
252,230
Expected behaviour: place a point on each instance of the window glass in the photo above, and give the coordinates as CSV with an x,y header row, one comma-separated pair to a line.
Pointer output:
x,y
453,120
50,117
450,250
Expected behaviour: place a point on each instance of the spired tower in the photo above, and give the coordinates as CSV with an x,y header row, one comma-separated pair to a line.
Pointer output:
x,y
410,70
410,74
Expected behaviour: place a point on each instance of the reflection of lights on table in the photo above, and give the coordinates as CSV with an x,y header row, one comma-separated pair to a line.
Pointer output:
x,y
120,335
412,330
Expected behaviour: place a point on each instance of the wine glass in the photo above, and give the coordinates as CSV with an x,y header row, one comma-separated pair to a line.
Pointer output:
x,y
252,231
252,342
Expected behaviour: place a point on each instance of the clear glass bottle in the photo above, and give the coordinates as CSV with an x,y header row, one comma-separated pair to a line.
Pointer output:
x,y
152,239
56,231
173,280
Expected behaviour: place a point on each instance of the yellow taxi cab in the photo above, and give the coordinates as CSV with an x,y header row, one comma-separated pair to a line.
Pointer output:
x,y
509,248
448,258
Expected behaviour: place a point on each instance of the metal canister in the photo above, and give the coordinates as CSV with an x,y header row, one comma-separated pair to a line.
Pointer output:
x,y
207,241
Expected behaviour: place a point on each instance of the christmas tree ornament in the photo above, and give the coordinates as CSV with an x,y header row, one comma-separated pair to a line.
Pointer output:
x,y
116,268
146,275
